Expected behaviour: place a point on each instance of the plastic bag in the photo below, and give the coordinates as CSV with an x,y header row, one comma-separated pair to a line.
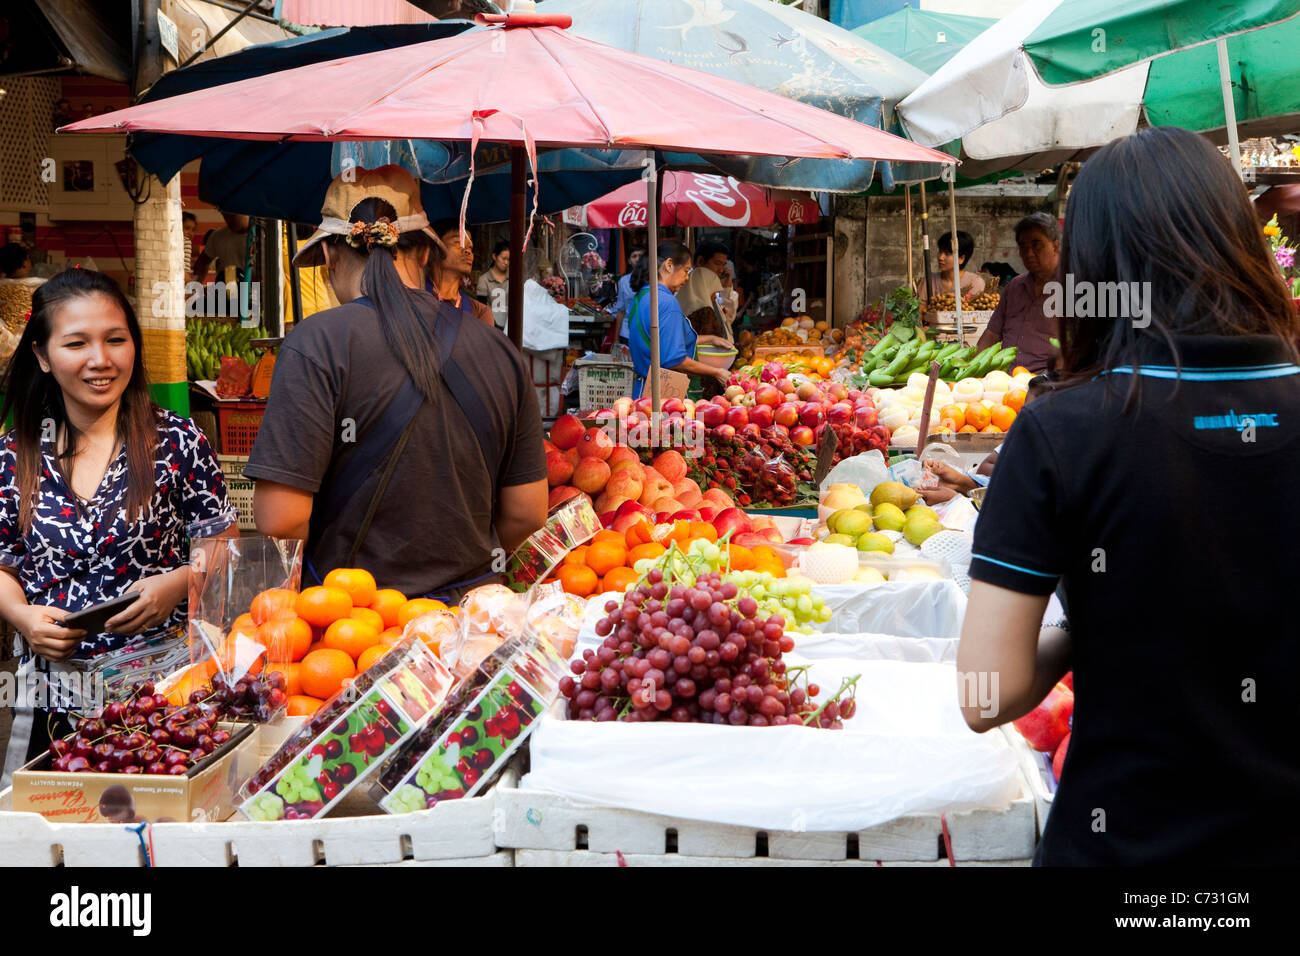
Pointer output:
x,y
489,616
905,608
866,471
907,750
227,574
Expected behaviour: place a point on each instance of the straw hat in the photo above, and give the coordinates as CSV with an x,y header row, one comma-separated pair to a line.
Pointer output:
x,y
393,184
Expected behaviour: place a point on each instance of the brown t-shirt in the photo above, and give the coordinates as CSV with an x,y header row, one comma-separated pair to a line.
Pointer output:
x,y
434,525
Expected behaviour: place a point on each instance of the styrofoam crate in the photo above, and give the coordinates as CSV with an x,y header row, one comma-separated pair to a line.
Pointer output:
x,y
539,820
552,858
454,830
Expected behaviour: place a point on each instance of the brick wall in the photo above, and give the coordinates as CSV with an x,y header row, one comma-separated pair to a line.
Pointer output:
x,y
871,237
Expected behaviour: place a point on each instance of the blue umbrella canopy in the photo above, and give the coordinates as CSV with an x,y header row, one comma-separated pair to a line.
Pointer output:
x,y
770,46
289,180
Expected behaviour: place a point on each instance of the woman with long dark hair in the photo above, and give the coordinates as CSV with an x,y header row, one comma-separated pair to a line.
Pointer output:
x,y
677,339
401,435
1153,489
97,487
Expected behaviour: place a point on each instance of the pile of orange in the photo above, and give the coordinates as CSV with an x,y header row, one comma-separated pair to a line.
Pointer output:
x,y
982,416
319,639
606,562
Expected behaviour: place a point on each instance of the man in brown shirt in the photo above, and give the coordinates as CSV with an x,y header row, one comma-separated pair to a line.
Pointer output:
x,y
1020,318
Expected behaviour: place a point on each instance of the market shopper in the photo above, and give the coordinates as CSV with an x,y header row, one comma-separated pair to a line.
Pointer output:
x,y
941,281
1134,487
450,263
677,340
493,287
705,282
98,487
1021,317
623,302
401,435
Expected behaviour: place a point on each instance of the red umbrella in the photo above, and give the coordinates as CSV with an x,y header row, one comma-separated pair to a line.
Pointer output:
x,y
533,87
699,200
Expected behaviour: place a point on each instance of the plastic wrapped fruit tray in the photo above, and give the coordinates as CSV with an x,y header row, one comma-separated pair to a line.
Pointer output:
x,y
454,833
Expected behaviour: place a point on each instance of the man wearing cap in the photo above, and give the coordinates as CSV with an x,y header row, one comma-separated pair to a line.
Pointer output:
x,y
401,435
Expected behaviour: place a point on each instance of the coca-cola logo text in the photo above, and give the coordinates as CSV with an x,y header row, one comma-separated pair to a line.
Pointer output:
x,y
632,215
720,199
795,213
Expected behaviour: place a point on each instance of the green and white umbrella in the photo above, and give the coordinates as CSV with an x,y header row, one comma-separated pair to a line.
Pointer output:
x,y
993,97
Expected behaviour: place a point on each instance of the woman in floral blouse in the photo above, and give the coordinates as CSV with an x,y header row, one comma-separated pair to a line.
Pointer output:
x,y
97,487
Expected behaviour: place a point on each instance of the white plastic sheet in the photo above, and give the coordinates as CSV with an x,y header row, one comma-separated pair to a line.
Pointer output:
x,y
906,751
546,322
904,608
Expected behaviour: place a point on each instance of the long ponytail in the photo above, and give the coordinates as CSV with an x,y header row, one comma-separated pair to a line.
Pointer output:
x,y
403,328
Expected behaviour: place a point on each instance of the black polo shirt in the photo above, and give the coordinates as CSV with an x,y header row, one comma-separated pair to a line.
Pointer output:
x,y
1174,531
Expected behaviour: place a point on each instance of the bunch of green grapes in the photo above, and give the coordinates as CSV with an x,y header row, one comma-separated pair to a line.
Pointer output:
x,y
298,783
793,599
407,799
435,776
266,807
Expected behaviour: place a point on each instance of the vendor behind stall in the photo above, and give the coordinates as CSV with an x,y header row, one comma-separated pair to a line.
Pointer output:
x,y
706,281
449,268
677,340
1020,318
941,281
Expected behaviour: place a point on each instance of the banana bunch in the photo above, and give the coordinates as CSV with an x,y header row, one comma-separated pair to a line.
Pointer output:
x,y
207,340
891,362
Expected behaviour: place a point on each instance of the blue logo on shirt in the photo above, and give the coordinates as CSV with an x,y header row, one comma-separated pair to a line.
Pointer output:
x,y
1236,422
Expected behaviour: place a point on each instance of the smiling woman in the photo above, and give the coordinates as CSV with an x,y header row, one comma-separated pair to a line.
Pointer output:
x,y
97,484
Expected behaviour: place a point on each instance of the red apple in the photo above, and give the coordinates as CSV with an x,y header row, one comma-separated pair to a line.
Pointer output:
x,y
596,443
711,414
761,415
864,416
854,395
1047,724
781,431
686,514
802,541
643,405
806,391
839,413
561,494
837,391
1058,760
768,395
707,513
811,415
721,402
733,520
672,405
786,386
726,431
737,417
786,414
567,432
734,392
558,469
802,435
623,407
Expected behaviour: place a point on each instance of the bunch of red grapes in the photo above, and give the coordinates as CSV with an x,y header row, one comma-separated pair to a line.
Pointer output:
x,y
693,654
142,734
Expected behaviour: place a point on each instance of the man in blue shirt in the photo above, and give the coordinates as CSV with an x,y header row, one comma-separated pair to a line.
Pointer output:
x,y
622,306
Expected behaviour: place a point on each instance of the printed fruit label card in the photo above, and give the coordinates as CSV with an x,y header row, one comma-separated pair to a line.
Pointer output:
x,y
534,559
462,761
419,687
334,764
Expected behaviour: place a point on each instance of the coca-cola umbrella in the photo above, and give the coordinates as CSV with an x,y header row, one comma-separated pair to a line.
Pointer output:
x,y
697,200
467,88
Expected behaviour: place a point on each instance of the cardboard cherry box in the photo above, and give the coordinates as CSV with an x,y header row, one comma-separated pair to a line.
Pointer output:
x,y
208,792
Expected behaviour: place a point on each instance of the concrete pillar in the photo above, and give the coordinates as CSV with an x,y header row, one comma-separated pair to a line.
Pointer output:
x,y
160,274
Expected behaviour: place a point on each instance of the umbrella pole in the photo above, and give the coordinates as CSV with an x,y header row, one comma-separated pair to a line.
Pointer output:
x,y
956,257
907,211
652,252
1229,109
925,246
295,280
518,207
